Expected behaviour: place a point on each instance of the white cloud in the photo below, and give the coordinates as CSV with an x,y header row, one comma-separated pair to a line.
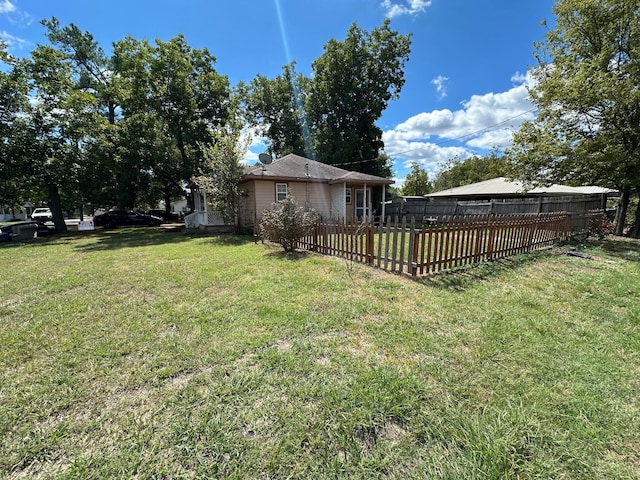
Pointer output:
x,y
484,122
406,7
256,146
441,88
6,6
14,14
12,40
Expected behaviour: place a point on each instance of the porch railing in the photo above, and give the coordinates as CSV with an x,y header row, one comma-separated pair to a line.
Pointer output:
x,y
205,219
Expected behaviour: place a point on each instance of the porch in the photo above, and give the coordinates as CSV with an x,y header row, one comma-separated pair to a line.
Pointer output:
x,y
205,219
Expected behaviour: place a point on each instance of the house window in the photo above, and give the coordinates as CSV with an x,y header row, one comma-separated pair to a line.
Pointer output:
x,y
347,196
281,191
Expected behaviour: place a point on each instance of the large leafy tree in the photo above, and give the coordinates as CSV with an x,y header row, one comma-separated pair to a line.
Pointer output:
x,y
588,126
175,98
46,147
332,115
353,82
13,102
94,73
276,108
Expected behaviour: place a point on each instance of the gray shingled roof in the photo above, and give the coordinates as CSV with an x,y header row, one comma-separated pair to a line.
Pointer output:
x,y
297,168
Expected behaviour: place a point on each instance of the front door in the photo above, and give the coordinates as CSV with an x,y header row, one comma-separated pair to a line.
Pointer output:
x,y
362,203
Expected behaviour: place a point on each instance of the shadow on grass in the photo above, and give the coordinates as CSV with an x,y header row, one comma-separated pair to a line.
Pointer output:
x,y
290,256
619,247
140,237
465,277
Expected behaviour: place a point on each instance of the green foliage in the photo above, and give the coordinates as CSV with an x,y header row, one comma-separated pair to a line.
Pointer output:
x,y
126,129
332,115
417,181
456,173
174,101
286,223
276,109
353,82
586,92
221,171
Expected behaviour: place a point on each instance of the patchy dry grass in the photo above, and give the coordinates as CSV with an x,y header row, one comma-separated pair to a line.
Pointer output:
x,y
140,354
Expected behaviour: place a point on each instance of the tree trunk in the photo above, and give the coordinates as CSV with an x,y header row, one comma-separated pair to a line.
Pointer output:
x,y
167,201
621,213
634,231
55,204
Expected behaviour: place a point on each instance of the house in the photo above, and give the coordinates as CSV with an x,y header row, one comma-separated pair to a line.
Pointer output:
x,y
332,192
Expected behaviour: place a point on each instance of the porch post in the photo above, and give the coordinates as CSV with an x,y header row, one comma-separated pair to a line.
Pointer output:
x,y
367,207
384,193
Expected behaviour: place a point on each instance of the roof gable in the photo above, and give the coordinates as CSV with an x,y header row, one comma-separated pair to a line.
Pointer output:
x,y
295,167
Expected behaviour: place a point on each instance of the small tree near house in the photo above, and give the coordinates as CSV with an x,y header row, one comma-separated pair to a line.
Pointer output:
x,y
286,223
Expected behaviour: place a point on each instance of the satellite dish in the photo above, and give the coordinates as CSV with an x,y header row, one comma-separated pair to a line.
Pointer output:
x,y
265,158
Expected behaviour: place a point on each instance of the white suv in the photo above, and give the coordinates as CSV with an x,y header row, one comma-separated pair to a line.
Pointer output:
x,y
42,214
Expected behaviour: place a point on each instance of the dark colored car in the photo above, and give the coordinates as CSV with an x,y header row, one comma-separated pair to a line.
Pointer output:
x,y
120,218
8,232
165,216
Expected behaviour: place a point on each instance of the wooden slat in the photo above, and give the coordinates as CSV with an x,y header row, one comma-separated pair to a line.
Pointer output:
x,y
451,243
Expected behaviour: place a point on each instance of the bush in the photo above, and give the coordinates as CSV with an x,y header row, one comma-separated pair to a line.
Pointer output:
x,y
286,223
600,227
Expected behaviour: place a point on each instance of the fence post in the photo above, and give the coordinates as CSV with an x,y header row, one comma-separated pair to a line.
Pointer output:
x,y
415,238
369,246
491,239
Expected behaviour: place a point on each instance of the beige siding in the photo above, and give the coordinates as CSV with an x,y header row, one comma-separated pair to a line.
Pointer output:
x,y
247,210
338,202
263,194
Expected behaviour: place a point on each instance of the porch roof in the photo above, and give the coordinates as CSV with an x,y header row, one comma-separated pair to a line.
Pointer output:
x,y
296,168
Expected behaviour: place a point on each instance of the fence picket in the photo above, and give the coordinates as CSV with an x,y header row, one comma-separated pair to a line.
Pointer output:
x,y
450,242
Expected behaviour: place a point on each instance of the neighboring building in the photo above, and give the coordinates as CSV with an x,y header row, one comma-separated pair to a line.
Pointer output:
x,y
500,196
330,191
501,188
19,213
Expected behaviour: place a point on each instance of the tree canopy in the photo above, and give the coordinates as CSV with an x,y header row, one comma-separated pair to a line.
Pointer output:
x,y
586,89
331,115
275,107
124,129
417,181
132,126
456,172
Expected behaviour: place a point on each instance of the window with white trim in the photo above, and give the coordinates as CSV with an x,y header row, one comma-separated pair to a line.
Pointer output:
x,y
347,196
281,191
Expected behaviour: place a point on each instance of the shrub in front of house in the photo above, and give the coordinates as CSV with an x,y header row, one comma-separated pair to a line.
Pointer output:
x,y
286,223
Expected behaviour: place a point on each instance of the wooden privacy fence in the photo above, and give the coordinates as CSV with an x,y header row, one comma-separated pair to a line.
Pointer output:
x,y
421,248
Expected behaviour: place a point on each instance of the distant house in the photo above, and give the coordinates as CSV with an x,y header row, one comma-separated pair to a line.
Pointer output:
x,y
18,213
499,196
501,188
330,191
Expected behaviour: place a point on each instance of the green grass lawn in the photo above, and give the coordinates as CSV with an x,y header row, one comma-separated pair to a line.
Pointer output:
x,y
142,354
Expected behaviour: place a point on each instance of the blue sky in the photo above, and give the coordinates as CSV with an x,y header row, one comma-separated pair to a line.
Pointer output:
x,y
466,79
